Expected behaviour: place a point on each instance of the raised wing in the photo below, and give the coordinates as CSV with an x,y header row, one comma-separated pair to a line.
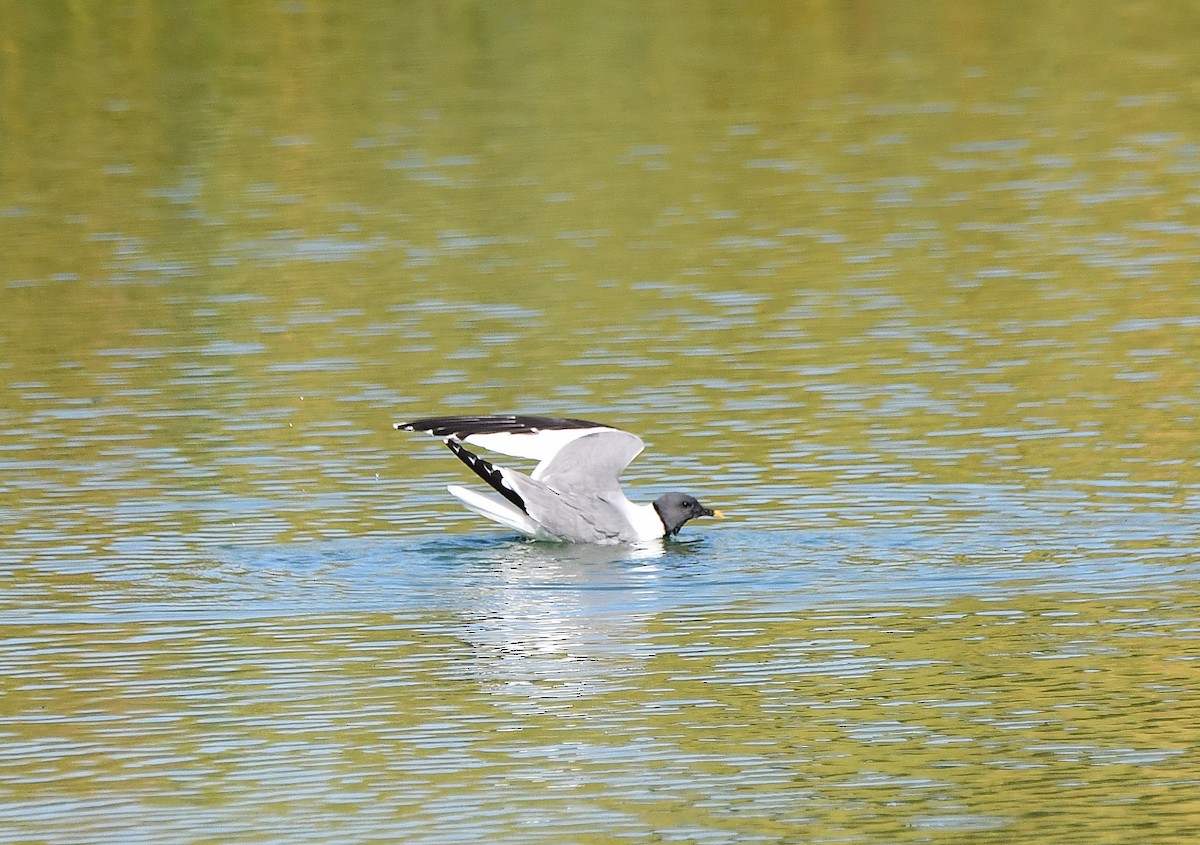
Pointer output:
x,y
591,464
533,437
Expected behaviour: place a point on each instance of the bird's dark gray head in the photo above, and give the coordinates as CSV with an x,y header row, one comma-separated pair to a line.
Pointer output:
x,y
674,509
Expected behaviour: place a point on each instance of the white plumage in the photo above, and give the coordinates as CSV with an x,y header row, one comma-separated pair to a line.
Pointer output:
x,y
573,494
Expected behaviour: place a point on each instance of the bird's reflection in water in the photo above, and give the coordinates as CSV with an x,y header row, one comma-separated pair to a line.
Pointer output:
x,y
561,621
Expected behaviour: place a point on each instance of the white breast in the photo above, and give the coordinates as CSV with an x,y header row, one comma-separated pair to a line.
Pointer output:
x,y
647,525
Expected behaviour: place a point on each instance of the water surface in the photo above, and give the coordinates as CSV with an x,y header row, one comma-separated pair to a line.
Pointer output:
x,y
910,292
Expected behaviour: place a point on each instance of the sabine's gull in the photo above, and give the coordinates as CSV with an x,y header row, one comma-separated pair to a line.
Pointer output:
x,y
573,495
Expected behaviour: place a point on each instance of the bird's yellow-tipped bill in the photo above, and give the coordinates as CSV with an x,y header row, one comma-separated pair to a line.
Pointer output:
x,y
718,515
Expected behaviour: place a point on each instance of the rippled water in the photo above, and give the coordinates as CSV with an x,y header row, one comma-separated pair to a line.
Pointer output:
x,y
911,294
873,682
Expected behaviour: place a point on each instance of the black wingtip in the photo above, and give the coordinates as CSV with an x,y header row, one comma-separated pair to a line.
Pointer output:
x,y
462,427
488,472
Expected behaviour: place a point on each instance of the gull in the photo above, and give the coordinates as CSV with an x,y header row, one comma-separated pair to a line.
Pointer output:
x,y
573,495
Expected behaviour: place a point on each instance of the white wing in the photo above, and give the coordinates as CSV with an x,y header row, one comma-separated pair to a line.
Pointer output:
x,y
540,439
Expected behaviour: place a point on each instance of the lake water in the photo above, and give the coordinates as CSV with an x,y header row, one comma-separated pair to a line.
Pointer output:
x,y
910,291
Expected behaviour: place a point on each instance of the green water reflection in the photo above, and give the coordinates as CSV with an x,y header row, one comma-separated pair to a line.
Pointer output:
x,y
1050,717
920,280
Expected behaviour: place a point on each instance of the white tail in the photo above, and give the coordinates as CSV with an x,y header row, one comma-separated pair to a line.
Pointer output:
x,y
498,509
